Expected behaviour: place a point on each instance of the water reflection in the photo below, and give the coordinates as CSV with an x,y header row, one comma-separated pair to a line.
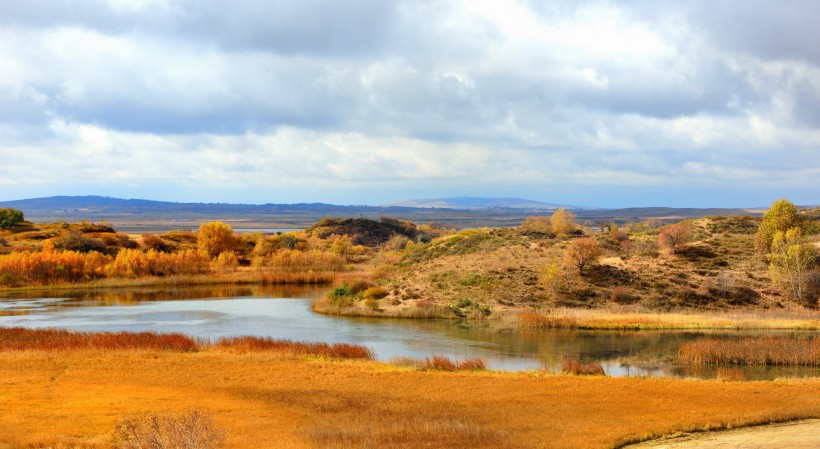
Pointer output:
x,y
212,312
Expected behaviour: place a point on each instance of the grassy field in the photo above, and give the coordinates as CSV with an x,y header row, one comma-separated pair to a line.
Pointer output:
x,y
261,399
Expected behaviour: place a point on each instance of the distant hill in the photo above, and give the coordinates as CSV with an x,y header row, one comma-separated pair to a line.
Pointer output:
x,y
472,202
139,215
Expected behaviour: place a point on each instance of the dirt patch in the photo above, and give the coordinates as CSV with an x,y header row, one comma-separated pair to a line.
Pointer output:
x,y
795,435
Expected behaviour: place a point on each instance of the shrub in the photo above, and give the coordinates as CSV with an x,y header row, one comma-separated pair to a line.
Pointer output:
x,y
10,218
227,261
79,242
189,430
581,253
375,293
151,241
622,295
674,237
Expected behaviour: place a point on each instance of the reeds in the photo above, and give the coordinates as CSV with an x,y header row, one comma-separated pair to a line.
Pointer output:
x,y
257,344
576,368
443,363
783,351
21,339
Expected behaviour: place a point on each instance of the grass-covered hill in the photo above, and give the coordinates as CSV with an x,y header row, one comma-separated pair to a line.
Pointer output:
x,y
484,271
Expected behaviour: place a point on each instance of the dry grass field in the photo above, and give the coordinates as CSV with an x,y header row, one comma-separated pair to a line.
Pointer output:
x,y
73,399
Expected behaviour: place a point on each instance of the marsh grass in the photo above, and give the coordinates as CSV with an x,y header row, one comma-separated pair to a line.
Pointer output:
x,y
21,339
783,351
619,320
257,344
577,368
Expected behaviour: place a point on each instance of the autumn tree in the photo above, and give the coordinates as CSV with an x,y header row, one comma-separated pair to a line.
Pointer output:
x,y
582,253
215,238
789,261
10,218
562,221
781,216
674,237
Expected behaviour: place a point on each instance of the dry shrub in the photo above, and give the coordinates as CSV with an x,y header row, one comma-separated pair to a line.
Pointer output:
x,y
675,236
336,350
622,295
575,367
753,351
155,242
539,321
375,293
731,374
190,430
442,363
21,339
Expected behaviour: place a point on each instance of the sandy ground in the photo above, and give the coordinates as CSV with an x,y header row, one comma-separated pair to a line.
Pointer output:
x,y
793,435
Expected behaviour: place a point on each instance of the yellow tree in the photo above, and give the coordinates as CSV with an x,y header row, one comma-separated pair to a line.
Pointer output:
x,y
790,259
562,221
781,216
215,238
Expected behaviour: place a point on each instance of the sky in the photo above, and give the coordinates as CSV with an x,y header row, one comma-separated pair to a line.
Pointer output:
x,y
602,104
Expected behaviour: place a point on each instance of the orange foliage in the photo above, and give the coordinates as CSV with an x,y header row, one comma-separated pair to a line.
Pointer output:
x,y
21,269
134,263
291,261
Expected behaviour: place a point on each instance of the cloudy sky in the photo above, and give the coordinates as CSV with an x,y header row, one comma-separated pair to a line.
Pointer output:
x,y
633,103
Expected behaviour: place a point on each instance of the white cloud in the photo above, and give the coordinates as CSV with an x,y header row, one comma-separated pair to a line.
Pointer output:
x,y
377,95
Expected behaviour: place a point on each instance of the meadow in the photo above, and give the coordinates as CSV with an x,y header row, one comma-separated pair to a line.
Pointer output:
x,y
74,398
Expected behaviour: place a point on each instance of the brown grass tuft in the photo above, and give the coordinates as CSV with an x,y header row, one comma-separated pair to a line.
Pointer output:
x,y
442,363
574,367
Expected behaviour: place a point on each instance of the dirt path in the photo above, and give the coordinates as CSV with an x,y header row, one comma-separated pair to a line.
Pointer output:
x,y
793,435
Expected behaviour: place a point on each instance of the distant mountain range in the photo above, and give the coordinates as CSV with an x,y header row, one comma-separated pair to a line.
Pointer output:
x,y
471,202
138,215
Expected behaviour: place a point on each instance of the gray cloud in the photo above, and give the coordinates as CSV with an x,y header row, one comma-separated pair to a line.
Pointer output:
x,y
391,92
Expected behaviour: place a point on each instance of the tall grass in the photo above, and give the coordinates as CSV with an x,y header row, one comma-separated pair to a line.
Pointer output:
x,y
575,367
256,344
21,339
783,351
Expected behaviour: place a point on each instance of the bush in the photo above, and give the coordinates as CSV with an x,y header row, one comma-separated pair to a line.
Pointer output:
x,y
10,218
79,242
674,237
190,430
375,293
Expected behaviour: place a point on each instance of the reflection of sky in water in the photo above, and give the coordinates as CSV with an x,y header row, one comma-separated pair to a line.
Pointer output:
x,y
621,354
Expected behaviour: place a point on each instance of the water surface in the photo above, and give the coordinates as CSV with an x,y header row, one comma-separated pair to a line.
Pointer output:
x,y
213,312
